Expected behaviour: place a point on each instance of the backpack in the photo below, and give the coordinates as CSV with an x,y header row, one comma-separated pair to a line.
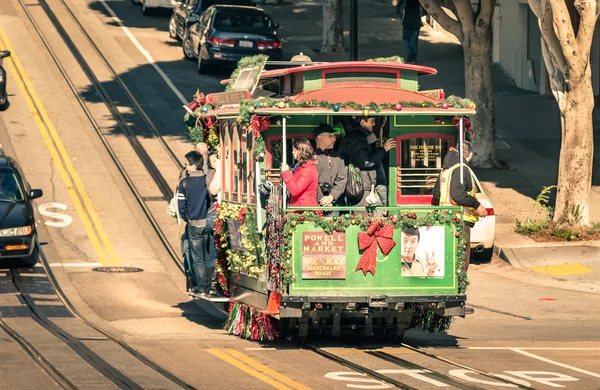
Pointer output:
x,y
173,207
354,186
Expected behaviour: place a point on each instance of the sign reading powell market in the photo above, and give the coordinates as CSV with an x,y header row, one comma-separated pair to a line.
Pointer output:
x,y
323,255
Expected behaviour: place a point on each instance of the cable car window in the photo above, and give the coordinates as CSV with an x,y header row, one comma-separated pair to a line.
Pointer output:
x,y
420,164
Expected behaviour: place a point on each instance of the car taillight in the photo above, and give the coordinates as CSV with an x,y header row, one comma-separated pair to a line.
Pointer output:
x,y
268,45
221,42
490,211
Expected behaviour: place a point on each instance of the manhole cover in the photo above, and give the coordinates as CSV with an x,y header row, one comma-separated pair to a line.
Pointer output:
x,y
117,269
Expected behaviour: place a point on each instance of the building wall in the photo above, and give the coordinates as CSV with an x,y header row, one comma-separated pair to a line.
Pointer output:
x,y
517,43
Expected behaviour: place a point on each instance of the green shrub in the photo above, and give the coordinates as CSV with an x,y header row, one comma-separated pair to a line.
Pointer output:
x,y
594,229
540,216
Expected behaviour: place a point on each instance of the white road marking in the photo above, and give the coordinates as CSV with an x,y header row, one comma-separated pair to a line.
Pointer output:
x,y
63,219
541,348
74,265
145,53
543,359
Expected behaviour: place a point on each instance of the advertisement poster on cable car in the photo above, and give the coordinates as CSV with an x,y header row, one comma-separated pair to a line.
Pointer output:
x,y
386,257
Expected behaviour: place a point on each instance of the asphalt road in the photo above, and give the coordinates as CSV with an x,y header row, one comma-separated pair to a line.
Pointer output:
x,y
526,331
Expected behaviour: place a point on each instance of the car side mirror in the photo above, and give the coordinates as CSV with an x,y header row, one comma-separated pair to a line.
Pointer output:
x,y
4,53
34,194
276,25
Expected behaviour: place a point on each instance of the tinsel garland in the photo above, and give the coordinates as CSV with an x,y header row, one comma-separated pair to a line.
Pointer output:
x,y
249,323
273,240
429,320
249,107
259,61
249,261
221,265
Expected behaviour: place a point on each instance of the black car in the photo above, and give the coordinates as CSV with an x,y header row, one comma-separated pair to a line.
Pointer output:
x,y
227,33
3,96
17,221
188,12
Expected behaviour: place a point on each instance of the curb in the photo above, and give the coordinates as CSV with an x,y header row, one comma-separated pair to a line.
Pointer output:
x,y
508,256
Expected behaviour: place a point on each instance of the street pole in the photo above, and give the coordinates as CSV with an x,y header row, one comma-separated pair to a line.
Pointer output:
x,y
353,30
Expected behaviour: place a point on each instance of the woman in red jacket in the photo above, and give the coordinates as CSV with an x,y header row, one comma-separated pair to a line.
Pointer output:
x,y
303,183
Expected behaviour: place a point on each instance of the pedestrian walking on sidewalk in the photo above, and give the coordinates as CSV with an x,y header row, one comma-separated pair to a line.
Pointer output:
x,y
449,191
410,14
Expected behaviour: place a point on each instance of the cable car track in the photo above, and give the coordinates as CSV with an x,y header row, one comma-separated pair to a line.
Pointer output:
x,y
167,194
407,365
75,344
109,102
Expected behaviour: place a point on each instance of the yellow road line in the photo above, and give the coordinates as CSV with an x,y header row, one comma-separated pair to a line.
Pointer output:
x,y
563,269
248,370
51,137
266,370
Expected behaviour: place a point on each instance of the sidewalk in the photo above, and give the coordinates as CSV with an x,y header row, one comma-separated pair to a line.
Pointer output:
x,y
527,127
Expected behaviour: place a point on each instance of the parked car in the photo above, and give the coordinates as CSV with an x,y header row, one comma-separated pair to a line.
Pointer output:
x,y
17,221
150,5
3,95
227,33
188,12
482,235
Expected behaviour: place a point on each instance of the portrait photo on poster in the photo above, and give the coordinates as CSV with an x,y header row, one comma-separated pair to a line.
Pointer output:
x,y
422,251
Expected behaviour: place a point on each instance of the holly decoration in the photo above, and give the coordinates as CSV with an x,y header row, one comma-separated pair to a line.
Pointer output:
x,y
249,261
467,126
248,107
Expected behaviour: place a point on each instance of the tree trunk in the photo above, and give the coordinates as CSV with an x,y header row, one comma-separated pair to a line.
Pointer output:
x,y
576,152
477,51
333,27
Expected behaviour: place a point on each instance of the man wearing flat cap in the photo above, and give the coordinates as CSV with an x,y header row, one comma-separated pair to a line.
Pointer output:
x,y
330,166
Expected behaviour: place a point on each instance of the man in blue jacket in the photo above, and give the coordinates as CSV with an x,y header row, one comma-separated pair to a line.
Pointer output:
x,y
193,202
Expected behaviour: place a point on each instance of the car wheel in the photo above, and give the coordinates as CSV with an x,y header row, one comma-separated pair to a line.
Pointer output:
x,y
188,47
4,105
145,10
173,28
484,256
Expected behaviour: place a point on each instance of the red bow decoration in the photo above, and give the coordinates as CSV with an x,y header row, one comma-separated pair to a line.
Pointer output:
x,y
200,98
258,125
242,215
467,125
368,241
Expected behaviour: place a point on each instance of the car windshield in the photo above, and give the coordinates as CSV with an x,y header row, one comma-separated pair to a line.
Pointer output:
x,y
243,20
10,189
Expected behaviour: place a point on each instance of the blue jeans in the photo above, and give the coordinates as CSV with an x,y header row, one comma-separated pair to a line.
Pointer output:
x,y
185,249
212,248
411,44
198,244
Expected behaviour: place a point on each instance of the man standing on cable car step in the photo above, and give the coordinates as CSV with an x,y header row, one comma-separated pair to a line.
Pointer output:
x,y
449,191
193,202
330,167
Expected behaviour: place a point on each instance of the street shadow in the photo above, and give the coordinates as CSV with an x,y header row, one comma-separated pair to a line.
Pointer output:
x,y
201,316
154,96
